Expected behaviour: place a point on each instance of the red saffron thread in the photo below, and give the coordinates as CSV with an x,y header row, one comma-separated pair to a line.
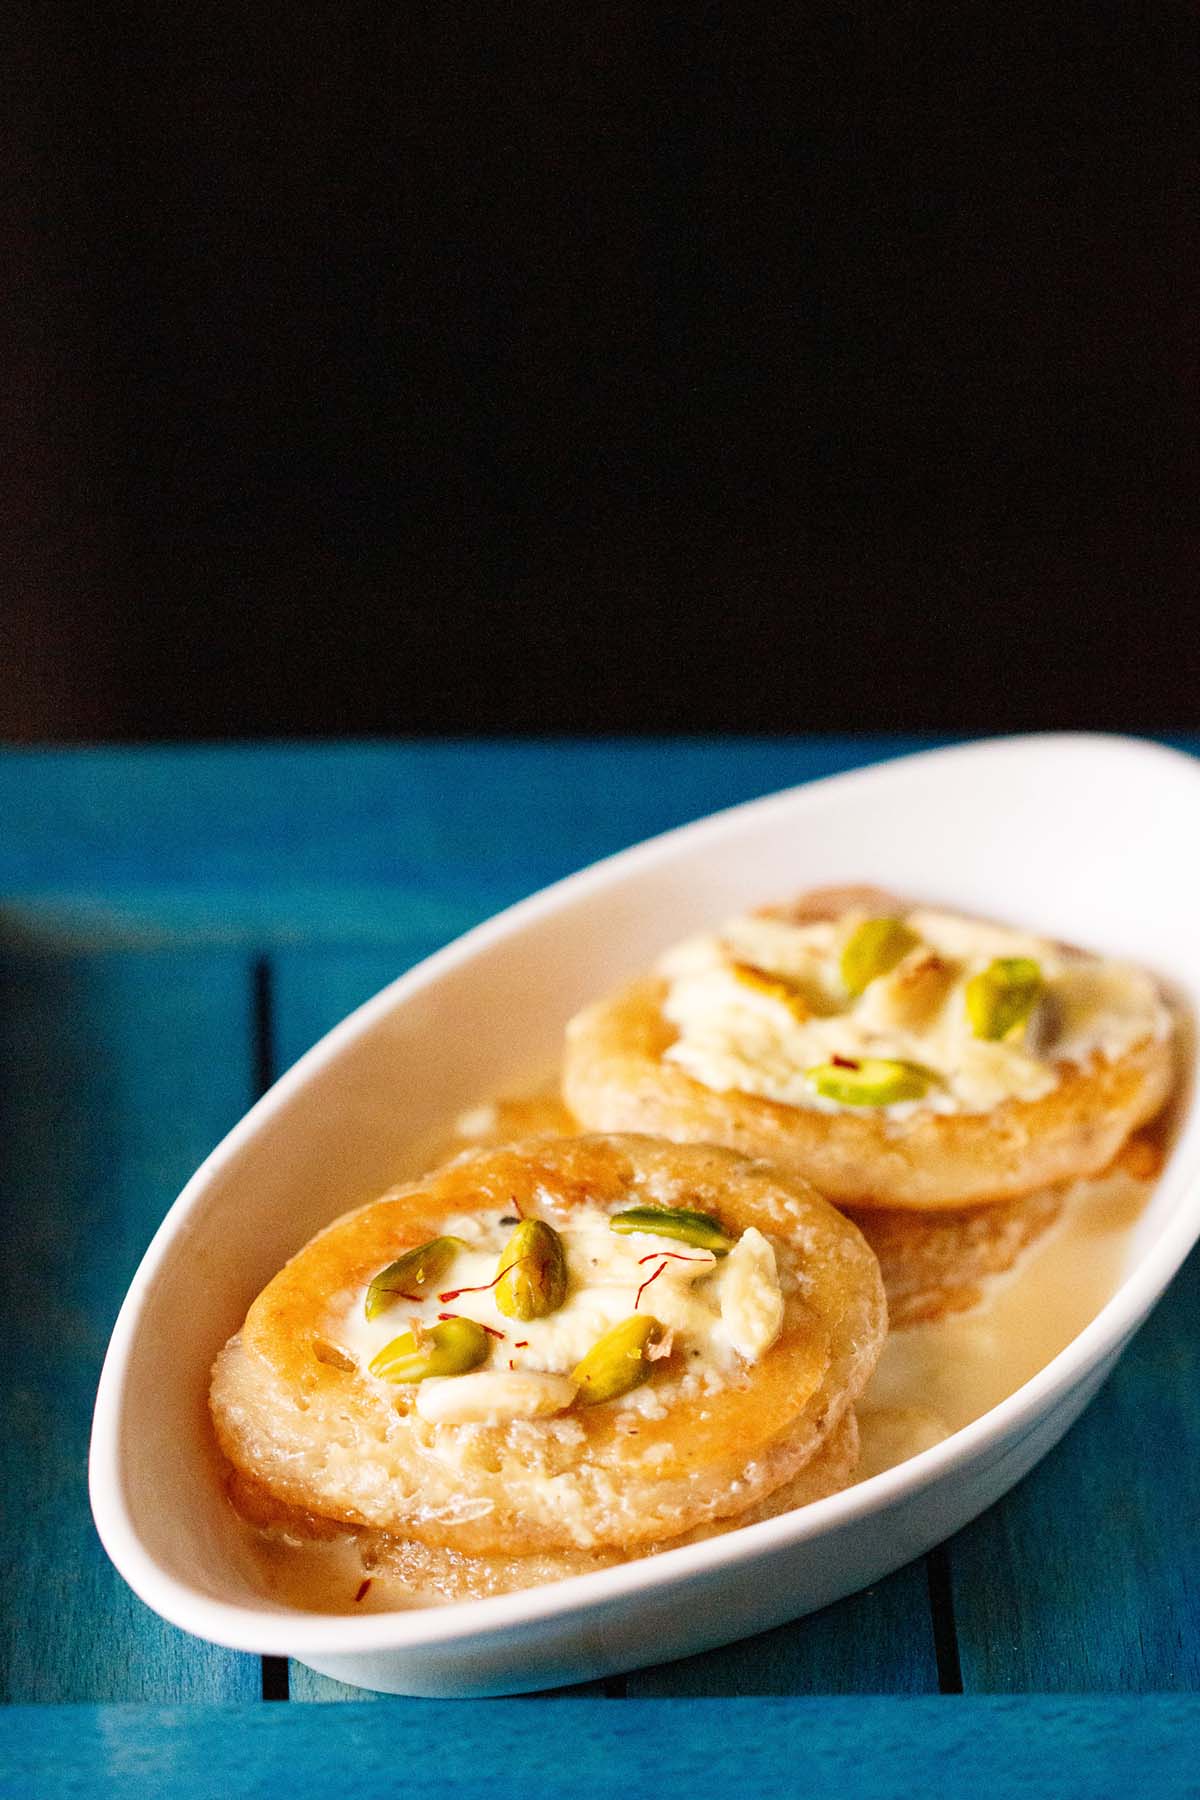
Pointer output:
x,y
453,1293
674,1255
521,1344
511,1363
844,1062
646,1284
363,1589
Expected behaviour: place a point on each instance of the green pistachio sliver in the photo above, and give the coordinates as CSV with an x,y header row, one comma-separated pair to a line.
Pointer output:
x,y
451,1348
618,1362
1001,997
696,1228
873,949
871,1081
409,1273
533,1272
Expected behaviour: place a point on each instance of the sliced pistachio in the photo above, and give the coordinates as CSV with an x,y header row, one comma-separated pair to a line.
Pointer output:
x,y
1002,996
450,1348
873,949
533,1272
410,1273
619,1361
697,1228
871,1081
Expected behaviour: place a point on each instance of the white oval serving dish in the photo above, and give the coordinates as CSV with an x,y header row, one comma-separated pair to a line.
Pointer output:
x,y
1090,838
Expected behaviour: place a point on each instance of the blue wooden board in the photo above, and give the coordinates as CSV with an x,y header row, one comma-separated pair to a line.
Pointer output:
x,y
120,1072
881,1641
1087,1576
175,928
403,845
860,1749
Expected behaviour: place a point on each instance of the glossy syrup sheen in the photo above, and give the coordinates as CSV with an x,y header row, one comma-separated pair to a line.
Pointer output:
x,y
932,1379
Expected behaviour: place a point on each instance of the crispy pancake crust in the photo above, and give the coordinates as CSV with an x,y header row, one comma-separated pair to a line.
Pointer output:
x,y
452,1575
936,1263
615,1078
339,1443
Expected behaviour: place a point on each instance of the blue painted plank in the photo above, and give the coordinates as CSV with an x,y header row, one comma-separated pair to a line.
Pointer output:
x,y
1087,1577
873,1748
211,814
312,990
290,845
876,1642
287,844
119,1074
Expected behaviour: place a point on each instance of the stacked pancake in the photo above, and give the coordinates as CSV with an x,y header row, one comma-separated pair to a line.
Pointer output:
x,y
944,1080
651,1321
553,1355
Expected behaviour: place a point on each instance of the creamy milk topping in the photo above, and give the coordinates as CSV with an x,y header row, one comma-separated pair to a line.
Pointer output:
x,y
761,1002
720,1313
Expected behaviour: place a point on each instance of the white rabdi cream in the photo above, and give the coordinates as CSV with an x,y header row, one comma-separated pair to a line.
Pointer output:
x,y
719,1314
761,1003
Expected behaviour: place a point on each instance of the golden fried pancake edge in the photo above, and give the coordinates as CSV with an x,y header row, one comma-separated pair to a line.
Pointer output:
x,y
615,1078
329,1440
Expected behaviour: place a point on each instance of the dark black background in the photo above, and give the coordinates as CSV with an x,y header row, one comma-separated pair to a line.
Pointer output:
x,y
411,369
